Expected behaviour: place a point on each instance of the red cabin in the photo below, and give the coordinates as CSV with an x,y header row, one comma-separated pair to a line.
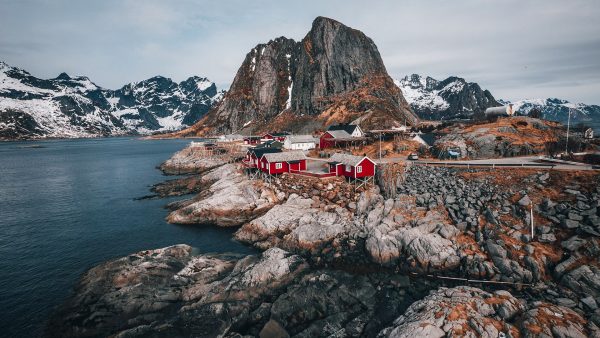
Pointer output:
x,y
252,140
254,154
275,136
282,162
351,166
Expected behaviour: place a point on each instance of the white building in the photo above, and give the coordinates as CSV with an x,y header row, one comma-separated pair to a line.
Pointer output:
x,y
352,129
231,137
300,142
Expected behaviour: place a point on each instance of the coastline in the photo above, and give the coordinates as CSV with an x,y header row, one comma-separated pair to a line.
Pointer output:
x,y
314,234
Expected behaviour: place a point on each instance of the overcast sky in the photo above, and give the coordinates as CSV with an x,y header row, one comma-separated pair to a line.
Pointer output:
x,y
515,49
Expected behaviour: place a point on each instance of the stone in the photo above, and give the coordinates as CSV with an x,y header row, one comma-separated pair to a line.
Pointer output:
x,y
525,201
574,216
273,329
590,303
547,238
570,224
573,243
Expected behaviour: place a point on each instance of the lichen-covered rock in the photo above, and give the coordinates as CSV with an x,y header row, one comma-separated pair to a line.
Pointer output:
x,y
170,292
458,312
190,160
295,225
231,200
547,320
398,232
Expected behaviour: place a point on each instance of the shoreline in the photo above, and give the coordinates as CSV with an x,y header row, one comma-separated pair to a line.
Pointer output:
x,y
378,236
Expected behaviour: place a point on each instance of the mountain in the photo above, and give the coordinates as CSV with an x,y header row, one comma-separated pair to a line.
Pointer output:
x,y
335,74
67,106
558,110
452,98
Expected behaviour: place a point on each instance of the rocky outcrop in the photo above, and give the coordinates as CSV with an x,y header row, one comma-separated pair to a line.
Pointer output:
x,y
190,160
231,200
172,292
335,74
458,312
506,137
470,312
298,225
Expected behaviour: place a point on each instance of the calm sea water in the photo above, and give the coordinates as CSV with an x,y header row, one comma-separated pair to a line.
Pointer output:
x,y
69,206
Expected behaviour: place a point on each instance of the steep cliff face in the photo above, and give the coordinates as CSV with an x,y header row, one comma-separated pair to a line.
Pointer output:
x,y
259,90
335,74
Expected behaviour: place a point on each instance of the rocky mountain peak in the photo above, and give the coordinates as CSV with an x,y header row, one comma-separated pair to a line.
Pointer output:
x,y
335,74
63,76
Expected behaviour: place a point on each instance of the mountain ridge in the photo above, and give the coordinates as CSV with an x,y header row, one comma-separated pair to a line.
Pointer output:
x,y
74,106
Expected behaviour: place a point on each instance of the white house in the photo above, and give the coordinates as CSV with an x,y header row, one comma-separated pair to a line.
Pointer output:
x,y
352,129
231,137
300,142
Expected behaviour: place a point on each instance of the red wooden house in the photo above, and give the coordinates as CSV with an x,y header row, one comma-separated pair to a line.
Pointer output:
x,y
350,166
252,140
253,155
275,136
282,162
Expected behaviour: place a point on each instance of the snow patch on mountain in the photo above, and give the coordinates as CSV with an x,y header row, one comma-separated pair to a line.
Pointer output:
x,y
452,98
76,107
555,109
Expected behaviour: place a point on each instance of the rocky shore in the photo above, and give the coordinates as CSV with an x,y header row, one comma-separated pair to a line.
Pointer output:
x,y
337,260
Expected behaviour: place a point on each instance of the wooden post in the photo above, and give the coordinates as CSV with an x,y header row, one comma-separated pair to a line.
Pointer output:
x,y
531,216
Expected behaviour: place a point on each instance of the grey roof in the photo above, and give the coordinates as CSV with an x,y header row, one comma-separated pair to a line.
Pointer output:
x,y
339,133
301,138
287,156
349,128
346,159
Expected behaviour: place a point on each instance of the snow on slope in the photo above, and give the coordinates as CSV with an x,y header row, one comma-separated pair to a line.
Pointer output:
x,y
558,110
452,98
76,107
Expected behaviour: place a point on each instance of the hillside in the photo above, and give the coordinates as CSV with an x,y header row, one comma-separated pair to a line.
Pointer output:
x,y
67,106
504,137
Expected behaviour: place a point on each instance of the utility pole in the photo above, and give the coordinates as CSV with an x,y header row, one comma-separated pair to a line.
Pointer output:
x,y
379,147
568,127
531,216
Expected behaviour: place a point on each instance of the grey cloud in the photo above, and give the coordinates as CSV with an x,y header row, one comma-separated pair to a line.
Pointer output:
x,y
516,49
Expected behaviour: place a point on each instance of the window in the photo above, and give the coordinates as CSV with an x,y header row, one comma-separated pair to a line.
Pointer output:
x,y
348,168
359,169
278,165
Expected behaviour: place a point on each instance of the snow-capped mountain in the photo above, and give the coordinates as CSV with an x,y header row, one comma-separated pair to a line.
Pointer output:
x,y
558,110
67,106
452,98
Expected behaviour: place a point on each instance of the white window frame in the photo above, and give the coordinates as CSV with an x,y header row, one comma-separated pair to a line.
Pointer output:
x,y
278,165
359,169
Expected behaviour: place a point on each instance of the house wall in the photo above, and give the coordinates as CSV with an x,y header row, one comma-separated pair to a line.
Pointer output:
x,y
368,169
298,166
357,132
299,146
284,168
263,165
325,143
